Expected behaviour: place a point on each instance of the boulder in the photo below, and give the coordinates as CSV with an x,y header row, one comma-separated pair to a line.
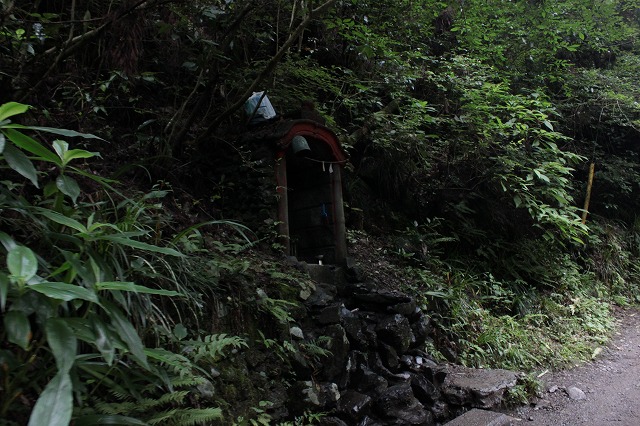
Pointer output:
x,y
476,387
354,405
424,390
404,308
323,296
336,365
478,417
354,327
331,314
398,403
378,300
395,331
367,381
331,421
421,329
389,357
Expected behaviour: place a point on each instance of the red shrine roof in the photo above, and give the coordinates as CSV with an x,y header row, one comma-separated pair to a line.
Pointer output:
x,y
283,132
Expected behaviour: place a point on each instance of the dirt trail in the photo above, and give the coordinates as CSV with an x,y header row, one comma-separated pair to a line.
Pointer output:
x,y
611,386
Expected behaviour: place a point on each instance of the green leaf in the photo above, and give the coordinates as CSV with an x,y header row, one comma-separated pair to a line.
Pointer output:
x,y
129,286
63,343
64,291
548,125
127,333
55,131
55,405
108,419
166,357
69,187
517,201
8,242
82,329
103,341
4,290
237,226
22,263
180,331
61,147
18,329
32,146
20,163
73,154
2,142
50,189
12,108
62,219
541,176
140,245
66,155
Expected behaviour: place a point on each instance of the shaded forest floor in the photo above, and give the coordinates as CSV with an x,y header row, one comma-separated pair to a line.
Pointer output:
x,y
610,385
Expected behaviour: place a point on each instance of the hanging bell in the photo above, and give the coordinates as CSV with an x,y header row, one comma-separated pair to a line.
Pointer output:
x,y
300,146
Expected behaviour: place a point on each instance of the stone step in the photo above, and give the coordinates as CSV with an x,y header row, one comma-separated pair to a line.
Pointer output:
x,y
328,274
477,417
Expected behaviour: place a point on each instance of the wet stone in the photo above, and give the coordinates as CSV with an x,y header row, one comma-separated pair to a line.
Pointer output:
x,y
320,297
331,314
421,329
405,308
440,410
332,421
395,331
425,391
354,327
398,402
389,357
370,421
380,298
369,382
354,405
334,366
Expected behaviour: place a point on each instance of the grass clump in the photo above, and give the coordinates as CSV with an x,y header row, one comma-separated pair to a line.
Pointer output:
x,y
527,307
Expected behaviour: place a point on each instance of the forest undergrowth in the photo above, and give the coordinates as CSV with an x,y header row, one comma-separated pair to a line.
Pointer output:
x,y
486,321
493,174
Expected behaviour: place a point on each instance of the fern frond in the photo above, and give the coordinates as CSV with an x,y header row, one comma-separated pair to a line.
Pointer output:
x,y
195,416
159,418
184,382
124,408
212,347
173,397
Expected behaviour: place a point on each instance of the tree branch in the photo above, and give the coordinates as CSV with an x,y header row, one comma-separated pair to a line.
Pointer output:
x,y
176,141
73,43
266,71
355,137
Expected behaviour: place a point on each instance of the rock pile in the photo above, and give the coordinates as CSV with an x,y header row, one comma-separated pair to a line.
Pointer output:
x,y
378,373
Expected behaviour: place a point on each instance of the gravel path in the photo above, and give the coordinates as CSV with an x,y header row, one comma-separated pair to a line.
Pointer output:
x,y
605,392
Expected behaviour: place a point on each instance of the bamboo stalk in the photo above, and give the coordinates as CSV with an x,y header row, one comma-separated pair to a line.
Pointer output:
x,y
587,200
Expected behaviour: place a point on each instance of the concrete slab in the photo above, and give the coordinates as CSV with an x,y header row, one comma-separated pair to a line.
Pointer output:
x,y
477,417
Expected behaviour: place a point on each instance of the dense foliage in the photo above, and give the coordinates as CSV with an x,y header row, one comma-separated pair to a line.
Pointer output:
x,y
471,126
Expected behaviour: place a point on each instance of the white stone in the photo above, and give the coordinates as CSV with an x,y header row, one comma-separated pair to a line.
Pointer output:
x,y
296,332
575,393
